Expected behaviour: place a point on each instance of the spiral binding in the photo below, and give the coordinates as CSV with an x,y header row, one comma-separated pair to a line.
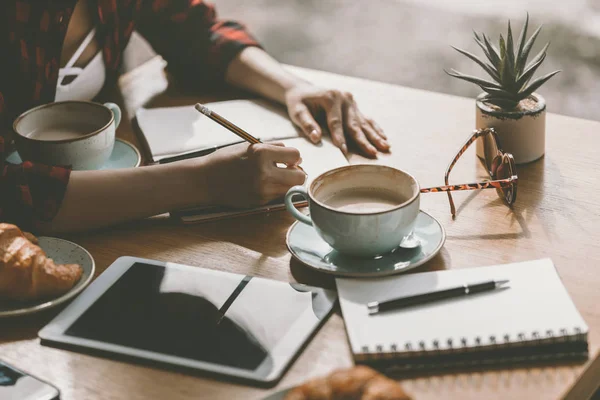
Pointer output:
x,y
463,344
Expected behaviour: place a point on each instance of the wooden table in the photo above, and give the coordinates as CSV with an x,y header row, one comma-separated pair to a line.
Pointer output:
x,y
556,215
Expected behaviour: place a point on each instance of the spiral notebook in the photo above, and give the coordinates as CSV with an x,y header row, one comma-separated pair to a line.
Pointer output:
x,y
534,320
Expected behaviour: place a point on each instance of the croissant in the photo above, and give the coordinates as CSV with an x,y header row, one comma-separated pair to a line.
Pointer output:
x,y
358,383
25,271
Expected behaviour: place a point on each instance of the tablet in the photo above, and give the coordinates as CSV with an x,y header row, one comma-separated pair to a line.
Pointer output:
x,y
196,318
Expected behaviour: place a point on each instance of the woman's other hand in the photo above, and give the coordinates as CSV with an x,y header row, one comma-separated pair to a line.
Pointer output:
x,y
307,103
245,175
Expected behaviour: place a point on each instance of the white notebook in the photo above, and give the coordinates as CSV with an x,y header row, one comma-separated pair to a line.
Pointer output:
x,y
533,320
173,131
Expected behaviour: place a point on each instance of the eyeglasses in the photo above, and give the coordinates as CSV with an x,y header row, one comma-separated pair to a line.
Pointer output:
x,y
499,164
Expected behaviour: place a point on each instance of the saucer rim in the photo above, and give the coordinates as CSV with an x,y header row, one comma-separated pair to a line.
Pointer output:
x,y
135,149
424,260
137,152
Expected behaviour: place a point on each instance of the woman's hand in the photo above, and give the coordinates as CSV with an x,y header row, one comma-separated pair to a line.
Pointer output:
x,y
245,176
239,176
307,103
254,70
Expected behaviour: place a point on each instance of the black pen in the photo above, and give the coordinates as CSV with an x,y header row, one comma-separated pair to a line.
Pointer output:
x,y
464,290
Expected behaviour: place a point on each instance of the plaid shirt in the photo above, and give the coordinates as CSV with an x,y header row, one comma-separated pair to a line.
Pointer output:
x,y
197,46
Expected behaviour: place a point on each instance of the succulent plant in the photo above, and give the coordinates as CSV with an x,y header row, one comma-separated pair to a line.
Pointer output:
x,y
507,67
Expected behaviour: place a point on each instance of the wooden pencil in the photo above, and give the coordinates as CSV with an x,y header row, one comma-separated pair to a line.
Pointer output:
x,y
227,124
231,126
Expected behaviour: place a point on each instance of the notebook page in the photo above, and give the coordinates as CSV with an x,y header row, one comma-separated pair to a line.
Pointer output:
x,y
176,130
536,301
317,158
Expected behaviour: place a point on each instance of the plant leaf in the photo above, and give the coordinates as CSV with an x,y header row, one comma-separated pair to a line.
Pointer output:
x,y
541,54
522,57
535,63
506,70
501,94
502,103
488,68
508,81
520,45
502,47
495,56
473,79
487,53
476,35
482,45
510,51
502,68
536,84
529,71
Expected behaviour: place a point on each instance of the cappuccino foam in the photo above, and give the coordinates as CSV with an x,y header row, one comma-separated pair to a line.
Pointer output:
x,y
364,200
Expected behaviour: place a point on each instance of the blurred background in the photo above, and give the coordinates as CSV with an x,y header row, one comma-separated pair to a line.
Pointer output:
x,y
407,42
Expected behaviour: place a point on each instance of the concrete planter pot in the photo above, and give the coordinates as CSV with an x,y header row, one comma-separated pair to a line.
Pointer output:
x,y
521,132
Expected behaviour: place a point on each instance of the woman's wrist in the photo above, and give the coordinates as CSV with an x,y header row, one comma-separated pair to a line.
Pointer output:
x,y
187,183
255,70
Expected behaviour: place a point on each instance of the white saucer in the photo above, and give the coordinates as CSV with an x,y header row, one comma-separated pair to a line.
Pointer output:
x,y
307,246
124,155
62,252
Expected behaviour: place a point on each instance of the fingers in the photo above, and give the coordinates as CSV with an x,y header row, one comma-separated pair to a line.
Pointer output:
x,y
372,134
285,155
287,177
377,128
268,180
302,117
335,121
342,118
275,182
355,130
273,153
343,114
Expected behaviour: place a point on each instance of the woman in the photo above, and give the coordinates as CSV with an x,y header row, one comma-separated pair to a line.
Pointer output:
x,y
38,37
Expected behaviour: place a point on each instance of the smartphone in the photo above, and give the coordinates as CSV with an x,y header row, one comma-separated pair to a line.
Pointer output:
x,y
18,385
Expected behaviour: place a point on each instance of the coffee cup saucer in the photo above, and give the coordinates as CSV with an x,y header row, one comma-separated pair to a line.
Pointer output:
x,y
309,248
124,155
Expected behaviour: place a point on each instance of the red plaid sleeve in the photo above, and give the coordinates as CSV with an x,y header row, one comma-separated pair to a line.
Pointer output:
x,y
30,193
197,45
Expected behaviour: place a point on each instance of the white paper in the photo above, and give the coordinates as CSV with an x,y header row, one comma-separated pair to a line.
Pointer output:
x,y
176,130
536,301
317,158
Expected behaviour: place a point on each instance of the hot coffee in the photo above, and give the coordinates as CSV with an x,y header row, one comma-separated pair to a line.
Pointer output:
x,y
364,200
360,210
76,133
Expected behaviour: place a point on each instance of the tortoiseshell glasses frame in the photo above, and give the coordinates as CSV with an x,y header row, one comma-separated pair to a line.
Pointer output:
x,y
500,166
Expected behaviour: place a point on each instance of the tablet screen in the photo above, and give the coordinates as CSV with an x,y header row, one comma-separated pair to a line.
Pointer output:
x,y
195,313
